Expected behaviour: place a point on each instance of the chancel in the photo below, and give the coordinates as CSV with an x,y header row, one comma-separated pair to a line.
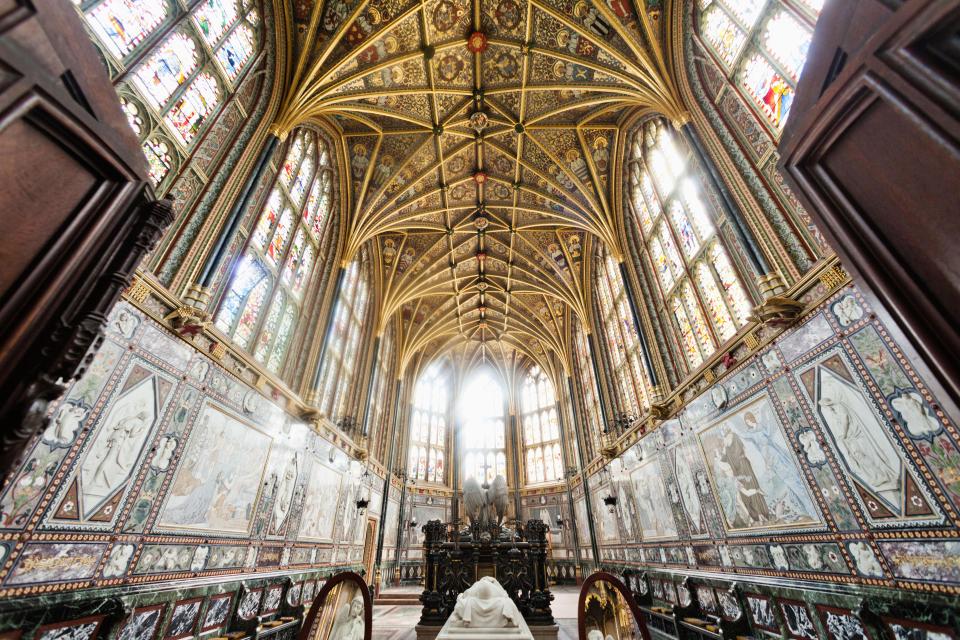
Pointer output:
x,y
546,319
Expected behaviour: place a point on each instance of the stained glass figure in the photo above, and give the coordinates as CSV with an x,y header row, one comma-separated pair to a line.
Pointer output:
x,y
770,91
188,112
123,24
720,31
235,52
214,18
167,69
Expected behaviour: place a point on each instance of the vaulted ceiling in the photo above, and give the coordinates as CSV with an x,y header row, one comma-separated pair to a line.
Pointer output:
x,y
479,139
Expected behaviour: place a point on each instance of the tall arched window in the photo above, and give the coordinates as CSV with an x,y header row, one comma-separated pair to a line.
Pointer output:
x,y
264,300
382,393
174,67
428,425
541,428
620,334
343,342
583,368
483,434
697,285
763,45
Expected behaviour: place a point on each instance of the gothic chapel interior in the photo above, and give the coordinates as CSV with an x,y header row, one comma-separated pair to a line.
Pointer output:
x,y
553,319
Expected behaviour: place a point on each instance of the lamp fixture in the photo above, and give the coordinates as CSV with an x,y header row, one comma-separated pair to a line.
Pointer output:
x,y
611,503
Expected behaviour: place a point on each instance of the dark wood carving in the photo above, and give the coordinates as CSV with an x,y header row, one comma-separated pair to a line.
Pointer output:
x,y
76,210
872,149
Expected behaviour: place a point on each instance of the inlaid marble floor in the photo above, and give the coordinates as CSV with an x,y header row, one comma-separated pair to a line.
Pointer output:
x,y
397,622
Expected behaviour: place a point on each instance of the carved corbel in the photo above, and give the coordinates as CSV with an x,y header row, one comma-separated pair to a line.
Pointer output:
x,y
777,311
188,321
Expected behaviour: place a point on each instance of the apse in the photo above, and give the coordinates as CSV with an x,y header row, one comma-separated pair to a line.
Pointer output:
x,y
609,319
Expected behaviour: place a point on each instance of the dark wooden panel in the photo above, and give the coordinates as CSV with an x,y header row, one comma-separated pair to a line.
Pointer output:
x,y
32,162
883,170
77,212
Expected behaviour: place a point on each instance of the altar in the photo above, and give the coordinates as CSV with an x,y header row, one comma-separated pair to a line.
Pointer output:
x,y
458,557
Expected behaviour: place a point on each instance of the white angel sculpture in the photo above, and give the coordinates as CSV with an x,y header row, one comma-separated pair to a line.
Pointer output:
x,y
482,505
348,624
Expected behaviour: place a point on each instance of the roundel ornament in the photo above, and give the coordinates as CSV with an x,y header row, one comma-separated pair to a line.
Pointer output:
x,y
477,42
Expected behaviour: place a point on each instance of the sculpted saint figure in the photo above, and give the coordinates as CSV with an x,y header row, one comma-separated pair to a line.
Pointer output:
x,y
485,605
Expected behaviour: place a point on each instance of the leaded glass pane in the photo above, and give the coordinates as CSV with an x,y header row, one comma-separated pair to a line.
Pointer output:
x,y
769,90
719,313
248,273
167,69
787,41
191,109
158,158
724,36
235,52
123,24
748,11
265,339
214,19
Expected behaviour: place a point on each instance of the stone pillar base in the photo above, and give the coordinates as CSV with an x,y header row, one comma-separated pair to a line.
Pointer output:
x,y
545,631
427,632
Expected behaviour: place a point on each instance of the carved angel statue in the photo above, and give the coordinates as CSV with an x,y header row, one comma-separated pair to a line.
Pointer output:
x,y
483,504
485,605
348,624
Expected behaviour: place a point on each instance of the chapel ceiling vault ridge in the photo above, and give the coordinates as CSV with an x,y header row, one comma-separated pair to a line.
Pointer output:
x,y
479,138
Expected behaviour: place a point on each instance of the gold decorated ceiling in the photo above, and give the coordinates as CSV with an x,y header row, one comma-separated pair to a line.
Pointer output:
x,y
478,142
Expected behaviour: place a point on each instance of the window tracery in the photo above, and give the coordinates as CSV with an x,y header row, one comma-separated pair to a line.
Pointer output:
x,y
428,425
483,433
343,341
583,368
621,339
265,295
762,44
697,284
541,428
174,67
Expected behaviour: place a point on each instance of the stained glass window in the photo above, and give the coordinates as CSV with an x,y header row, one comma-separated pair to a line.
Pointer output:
x,y
428,423
283,248
158,158
541,428
383,397
698,286
763,44
340,366
483,432
123,24
183,65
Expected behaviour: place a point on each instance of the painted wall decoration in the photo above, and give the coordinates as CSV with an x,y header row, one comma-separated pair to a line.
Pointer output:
x,y
210,490
653,505
756,478
136,477
822,457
